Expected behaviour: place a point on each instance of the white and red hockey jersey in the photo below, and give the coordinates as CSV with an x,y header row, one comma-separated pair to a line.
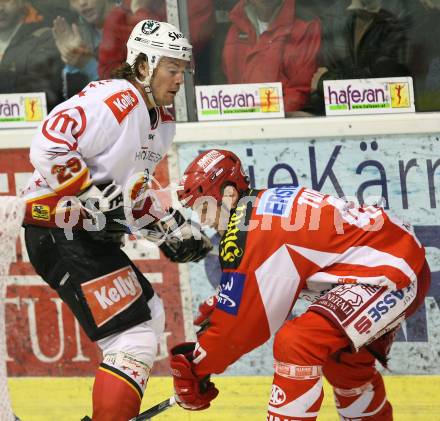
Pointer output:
x,y
102,134
289,241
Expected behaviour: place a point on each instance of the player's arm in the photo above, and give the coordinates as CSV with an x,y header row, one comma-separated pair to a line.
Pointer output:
x,y
229,337
55,152
180,239
237,324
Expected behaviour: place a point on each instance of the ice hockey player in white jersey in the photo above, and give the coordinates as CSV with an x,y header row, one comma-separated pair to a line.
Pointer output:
x,y
94,156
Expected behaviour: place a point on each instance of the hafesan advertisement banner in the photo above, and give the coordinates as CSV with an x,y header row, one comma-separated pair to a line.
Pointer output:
x,y
235,102
369,96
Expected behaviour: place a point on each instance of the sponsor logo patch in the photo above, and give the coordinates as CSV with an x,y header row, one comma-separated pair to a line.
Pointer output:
x,y
111,294
231,291
277,396
122,103
40,212
175,35
344,300
209,160
231,245
277,201
345,281
400,299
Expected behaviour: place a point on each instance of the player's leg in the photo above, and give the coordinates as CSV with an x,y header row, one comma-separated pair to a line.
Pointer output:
x,y
110,298
358,388
301,348
364,313
345,317
122,377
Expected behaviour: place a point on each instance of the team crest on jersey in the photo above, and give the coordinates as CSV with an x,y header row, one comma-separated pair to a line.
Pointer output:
x,y
122,103
150,27
73,120
230,292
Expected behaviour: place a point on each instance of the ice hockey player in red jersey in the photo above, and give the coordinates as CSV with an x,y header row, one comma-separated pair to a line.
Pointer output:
x,y
363,271
94,157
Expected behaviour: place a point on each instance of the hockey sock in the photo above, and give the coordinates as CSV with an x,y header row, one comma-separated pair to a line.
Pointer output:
x,y
295,399
365,403
120,382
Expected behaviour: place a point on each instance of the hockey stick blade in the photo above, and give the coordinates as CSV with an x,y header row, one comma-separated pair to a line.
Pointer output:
x,y
155,410
149,413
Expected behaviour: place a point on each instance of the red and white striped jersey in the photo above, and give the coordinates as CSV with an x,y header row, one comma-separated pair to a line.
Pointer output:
x,y
285,241
104,133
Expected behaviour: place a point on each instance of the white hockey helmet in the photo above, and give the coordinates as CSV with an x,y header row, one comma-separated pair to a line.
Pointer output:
x,y
156,40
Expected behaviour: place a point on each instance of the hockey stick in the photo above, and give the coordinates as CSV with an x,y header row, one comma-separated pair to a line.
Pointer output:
x,y
163,406
155,410
151,412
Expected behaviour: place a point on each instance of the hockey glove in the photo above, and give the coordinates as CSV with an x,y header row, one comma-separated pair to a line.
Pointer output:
x,y
192,393
205,311
180,240
103,206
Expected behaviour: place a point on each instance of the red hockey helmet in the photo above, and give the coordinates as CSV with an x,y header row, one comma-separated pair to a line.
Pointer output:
x,y
209,173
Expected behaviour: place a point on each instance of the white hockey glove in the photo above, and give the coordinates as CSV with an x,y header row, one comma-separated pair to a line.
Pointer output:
x,y
179,239
104,206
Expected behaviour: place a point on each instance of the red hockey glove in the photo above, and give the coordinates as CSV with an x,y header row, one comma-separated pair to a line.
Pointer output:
x,y
191,392
205,311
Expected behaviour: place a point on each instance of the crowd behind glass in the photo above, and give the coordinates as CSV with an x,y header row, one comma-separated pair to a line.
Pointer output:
x,y
58,46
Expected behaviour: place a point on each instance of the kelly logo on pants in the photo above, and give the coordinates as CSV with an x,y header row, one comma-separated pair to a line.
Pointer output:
x,y
111,294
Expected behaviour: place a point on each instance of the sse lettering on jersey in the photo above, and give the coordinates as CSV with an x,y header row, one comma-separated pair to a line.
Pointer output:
x,y
313,241
102,134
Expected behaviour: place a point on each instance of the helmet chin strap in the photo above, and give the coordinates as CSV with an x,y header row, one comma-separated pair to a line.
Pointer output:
x,y
146,84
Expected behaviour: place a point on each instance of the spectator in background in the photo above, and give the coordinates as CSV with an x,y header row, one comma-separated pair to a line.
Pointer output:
x,y
50,9
29,60
78,42
117,27
424,52
367,42
267,43
222,25
122,18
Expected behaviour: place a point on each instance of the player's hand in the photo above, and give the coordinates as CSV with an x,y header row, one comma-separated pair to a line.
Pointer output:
x,y
205,310
70,44
181,240
192,393
104,206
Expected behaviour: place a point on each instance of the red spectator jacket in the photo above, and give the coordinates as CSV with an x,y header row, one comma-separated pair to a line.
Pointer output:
x,y
285,53
120,21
